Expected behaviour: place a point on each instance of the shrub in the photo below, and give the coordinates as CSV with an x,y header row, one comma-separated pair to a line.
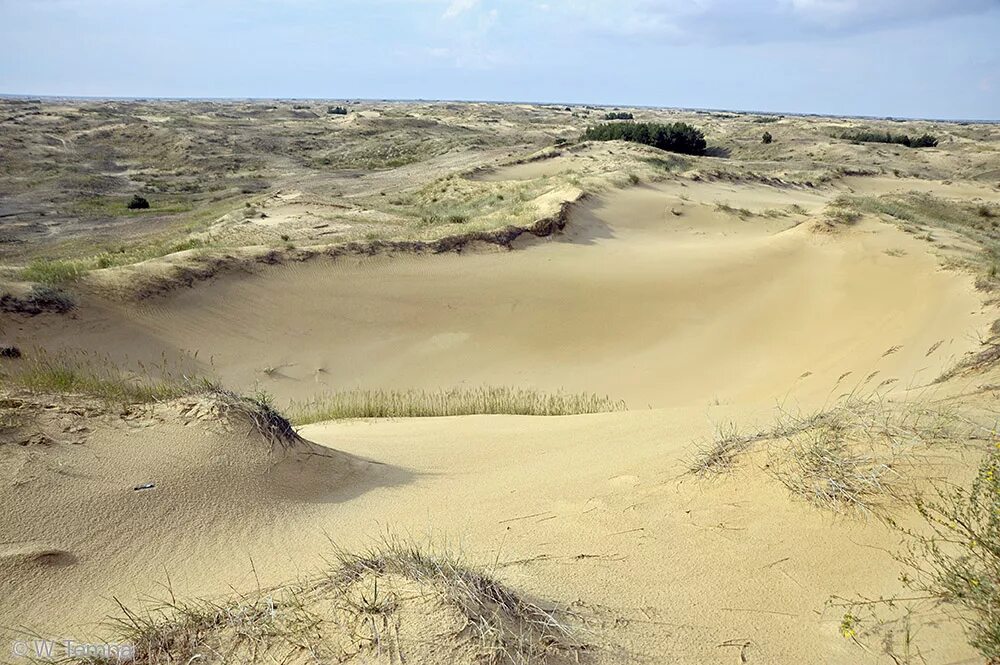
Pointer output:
x,y
337,110
674,137
766,138
868,136
41,298
138,203
619,115
958,561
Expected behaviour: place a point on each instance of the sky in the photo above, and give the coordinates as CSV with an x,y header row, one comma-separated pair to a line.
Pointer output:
x,y
901,58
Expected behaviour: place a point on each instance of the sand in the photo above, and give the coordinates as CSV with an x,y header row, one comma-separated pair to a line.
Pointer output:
x,y
694,319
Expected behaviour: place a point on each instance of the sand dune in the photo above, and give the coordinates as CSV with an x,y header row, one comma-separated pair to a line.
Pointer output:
x,y
656,295
634,301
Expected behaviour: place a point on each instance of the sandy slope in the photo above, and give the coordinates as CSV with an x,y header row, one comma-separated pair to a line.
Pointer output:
x,y
704,316
634,301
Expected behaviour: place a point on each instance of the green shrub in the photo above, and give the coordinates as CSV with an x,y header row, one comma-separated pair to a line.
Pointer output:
x,y
619,115
766,138
337,110
138,203
674,137
868,136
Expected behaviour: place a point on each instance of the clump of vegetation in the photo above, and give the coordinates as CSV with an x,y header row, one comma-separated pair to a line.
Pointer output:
x,y
138,203
619,115
10,352
51,272
373,604
41,298
337,110
868,136
843,458
958,560
766,138
742,213
674,137
93,376
360,403
767,119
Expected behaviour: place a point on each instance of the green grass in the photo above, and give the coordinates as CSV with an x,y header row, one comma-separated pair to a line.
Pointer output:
x,y
361,403
118,206
52,272
93,376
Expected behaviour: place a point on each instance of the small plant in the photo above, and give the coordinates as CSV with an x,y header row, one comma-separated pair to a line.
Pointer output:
x,y
766,138
138,203
337,110
619,115
10,352
958,561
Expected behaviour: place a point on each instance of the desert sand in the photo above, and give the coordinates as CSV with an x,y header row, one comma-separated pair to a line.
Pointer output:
x,y
699,302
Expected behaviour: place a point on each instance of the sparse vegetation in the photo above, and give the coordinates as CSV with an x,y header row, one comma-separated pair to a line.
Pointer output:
x,y
455,402
958,560
94,376
367,605
845,457
675,137
868,136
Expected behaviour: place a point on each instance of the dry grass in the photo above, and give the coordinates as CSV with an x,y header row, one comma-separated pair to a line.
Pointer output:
x,y
502,626
396,602
850,456
258,410
361,403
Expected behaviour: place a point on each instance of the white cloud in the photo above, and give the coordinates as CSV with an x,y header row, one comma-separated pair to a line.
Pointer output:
x,y
459,7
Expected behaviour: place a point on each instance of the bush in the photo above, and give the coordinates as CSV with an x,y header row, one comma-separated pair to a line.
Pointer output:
x,y
675,137
337,110
619,115
868,136
958,561
766,138
40,299
138,203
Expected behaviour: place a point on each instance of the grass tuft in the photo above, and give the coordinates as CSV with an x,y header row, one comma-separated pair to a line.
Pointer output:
x,y
361,403
395,602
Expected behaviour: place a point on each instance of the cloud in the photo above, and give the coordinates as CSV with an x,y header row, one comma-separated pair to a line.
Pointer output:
x,y
459,7
755,21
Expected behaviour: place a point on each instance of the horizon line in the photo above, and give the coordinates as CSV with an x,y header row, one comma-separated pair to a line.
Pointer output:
x,y
695,109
